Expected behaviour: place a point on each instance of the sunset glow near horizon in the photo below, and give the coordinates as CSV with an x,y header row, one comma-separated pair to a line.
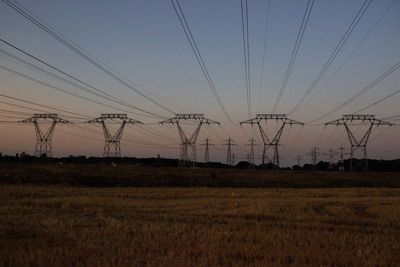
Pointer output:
x,y
145,43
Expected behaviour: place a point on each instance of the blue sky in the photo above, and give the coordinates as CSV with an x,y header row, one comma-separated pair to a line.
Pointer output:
x,y
144,41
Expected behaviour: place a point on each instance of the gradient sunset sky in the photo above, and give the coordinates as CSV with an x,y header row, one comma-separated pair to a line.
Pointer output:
x,y
144,41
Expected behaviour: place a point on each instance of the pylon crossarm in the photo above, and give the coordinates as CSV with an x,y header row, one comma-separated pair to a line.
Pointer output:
x,y
97,120
132,121
121,116
251,122
59,120
336,122
381,122
208,121
291,122
260,117
170,121
189,116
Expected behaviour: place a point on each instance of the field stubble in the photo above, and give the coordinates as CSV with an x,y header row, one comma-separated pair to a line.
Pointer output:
x,y
56,225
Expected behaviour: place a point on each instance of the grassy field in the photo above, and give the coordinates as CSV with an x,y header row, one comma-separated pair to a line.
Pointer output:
x,y
76,226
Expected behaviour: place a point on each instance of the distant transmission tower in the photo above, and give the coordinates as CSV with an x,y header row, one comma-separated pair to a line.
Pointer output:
x,y
43,140
271,143
207,151
230,160
251,153
112,146
298,159
332,153
186,142
314,155
351,120
341,161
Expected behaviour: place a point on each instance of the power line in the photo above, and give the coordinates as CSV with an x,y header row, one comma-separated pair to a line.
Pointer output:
x,y
106,69
306,16
182,20
13,112
264,52
34,109
246,51
335,52
391,117
378,101
40,105
96,92
361,92
62,90
354,50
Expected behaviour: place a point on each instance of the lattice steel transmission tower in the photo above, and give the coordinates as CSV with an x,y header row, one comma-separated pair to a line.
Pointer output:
x,y
274,142
207,144
43,139
341,161
251,153
230,160
112,144
298,160
190,142
351,120
332,154
314,153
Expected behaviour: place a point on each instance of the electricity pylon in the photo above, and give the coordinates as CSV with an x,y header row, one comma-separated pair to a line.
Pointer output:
x,y
251,153
186,142
229,155
341,160
274,142
351,120
207,151
112,144
298,159
314,155
332,153
43,140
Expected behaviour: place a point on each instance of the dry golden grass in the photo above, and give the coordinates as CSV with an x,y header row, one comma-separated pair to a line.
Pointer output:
x,y
76,226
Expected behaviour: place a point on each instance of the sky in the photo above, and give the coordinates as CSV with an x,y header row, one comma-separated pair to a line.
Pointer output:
x,y
145,43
